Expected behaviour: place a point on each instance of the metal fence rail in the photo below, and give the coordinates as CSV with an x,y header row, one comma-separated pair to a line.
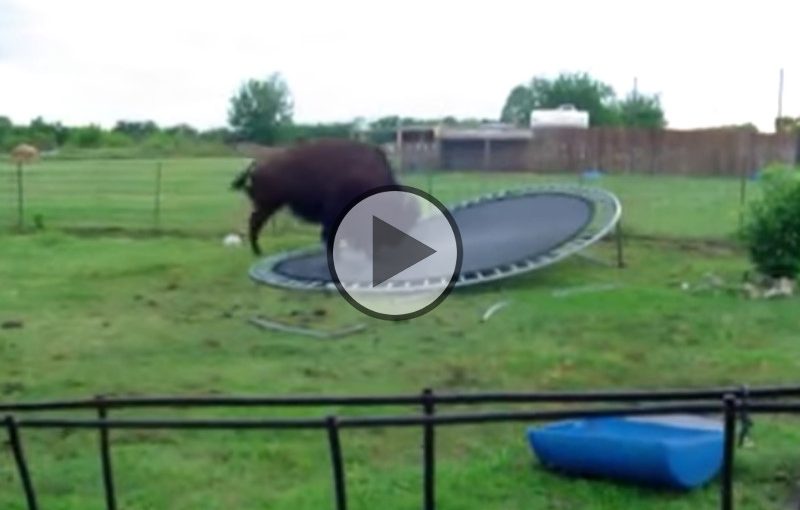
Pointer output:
x,y
192,196
732,402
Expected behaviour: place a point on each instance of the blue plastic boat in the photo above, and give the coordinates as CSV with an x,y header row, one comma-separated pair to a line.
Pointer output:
x,y
675,451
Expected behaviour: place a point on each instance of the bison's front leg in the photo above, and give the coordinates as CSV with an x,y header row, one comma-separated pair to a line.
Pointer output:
x,y
257,219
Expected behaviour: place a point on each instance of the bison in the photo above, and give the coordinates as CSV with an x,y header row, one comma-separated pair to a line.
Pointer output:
x,y
315,179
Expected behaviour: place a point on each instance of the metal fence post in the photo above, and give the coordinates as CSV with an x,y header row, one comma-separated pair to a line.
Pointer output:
x,y
105,457
429,452
337,463
620,249
22,465
20,197
157,198
728,452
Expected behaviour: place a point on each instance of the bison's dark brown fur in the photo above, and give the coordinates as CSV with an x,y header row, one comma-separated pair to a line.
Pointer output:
x,y
315,179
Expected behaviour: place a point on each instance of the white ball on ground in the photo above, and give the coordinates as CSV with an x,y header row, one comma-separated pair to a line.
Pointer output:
x,y
232,240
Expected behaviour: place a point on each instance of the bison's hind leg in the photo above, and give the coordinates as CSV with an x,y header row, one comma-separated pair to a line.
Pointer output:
x,y
326,232
258,218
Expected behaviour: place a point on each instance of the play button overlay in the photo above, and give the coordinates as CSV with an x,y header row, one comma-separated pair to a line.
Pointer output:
x,y
395,253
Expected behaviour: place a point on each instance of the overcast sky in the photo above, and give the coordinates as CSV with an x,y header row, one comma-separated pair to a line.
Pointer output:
x,y
81,61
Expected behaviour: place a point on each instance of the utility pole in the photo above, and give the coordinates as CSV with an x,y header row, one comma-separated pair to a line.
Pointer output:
x,y
635,87
780,95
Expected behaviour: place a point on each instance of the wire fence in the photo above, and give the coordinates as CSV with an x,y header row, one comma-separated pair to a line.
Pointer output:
x,y
193,197
733,403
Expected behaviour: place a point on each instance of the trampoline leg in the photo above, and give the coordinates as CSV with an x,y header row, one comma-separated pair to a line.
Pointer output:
x,y
620,254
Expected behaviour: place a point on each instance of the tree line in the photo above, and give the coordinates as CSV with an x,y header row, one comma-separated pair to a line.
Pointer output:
x,y
123,137
262,111
138,138
585,93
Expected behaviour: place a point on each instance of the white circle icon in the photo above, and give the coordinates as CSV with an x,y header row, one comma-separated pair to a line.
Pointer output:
x,y
395,253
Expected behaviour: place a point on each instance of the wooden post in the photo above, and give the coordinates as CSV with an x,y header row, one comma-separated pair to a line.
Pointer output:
x,y
440,153
797,149
399,145
20,197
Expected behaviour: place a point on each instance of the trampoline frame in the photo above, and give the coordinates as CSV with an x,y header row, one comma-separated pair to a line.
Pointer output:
x,y
606,215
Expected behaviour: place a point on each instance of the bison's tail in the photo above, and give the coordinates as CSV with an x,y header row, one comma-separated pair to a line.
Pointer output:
x,y
241,181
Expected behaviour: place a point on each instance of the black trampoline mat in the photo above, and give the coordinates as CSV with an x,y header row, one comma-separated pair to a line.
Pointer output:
x,y
494,234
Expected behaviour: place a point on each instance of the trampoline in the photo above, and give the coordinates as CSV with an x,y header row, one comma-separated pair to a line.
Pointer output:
x,y
503,235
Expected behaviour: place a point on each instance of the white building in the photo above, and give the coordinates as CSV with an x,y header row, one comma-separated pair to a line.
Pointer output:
x,y
565,116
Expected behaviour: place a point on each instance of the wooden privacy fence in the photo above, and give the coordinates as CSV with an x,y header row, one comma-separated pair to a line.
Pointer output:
x,y
714,152
733,403
707,152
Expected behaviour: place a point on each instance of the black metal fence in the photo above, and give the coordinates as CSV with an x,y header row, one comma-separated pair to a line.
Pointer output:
x,y
187,196
734,403
193,197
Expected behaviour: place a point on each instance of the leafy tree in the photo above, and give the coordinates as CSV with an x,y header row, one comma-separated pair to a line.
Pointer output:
x,y
6,128
787,125
585,93
137,130
178,139
260,109
85,137
642,111
61,133
45,135
519,106
388,122
184,130
310,131
578,89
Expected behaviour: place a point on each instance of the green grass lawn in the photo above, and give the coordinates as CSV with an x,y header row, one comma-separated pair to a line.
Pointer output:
x,y
194,196
168,315
121,316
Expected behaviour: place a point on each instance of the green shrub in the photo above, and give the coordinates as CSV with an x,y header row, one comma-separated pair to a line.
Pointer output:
x,y
772,232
